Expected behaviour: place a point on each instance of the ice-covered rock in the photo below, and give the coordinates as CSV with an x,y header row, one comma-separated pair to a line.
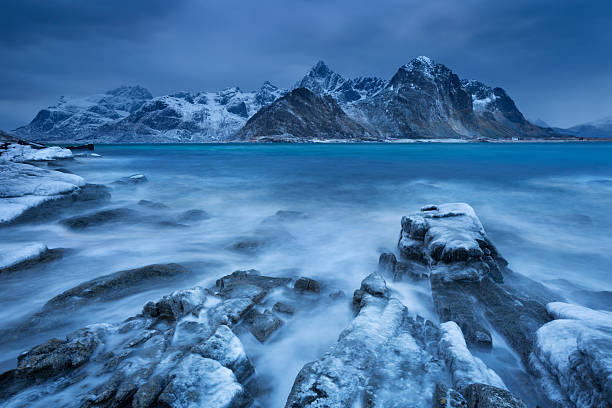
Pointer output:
x,y
24,152
385,358
23,187
469,277
181,351
573,356
202,382
14,254
465,368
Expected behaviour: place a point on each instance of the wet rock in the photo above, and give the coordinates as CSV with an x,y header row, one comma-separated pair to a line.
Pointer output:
x,y
180,351
176,305
56,356
134,179
375,285
303,285
15,257
193,216
262,325
468,275
247,283
487,396
152,204
202,382
29,193
99,218
248,245
387,262
115,285
281,307
403,270
338,294
383,359
445,397
224,347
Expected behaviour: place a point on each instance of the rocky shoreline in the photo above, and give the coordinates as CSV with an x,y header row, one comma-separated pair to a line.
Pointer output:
x,y
187,348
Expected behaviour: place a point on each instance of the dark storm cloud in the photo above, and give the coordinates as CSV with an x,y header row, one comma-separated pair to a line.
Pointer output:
x,y
553,57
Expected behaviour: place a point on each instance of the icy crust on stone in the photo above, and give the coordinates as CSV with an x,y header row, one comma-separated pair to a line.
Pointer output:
x,y
23,186
13,254
465,368
23,152
468,277
573,356
385,358
447,233
181,351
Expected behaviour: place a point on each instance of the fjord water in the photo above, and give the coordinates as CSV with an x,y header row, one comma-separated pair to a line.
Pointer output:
x,y
546,206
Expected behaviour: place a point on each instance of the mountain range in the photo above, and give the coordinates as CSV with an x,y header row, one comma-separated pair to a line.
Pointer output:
x,y
423,100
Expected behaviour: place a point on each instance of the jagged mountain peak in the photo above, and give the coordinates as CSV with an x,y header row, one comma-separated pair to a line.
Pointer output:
x,y
133,91
321,79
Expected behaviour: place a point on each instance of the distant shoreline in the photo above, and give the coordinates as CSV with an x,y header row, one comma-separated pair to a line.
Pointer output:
x,y
350,141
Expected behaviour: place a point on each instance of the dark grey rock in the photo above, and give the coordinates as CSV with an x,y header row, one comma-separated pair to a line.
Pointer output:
x,y
281,307
134,179
303,285
115,285
99,218
487,396
262,325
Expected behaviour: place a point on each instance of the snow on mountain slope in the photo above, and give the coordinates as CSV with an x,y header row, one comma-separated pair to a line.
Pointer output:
x,y
73,118
597,128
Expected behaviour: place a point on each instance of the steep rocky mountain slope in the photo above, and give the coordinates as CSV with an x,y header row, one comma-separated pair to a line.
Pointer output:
x,y
424,99
301,115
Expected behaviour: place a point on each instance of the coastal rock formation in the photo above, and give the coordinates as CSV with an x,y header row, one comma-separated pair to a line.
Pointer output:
x,y
573,356
467,276
28,192
302,115
180,351
386,358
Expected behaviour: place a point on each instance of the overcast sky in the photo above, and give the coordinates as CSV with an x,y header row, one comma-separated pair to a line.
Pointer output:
x,y
554,57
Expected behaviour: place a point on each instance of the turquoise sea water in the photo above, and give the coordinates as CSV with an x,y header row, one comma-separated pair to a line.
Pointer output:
x,y
547,207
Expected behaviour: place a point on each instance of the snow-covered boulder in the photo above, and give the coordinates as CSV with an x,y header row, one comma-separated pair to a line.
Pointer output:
x,y
573,356
25,152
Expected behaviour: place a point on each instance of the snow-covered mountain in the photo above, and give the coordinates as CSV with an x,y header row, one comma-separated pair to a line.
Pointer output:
x,y
120,116
186,117
79,118
424,99
598,128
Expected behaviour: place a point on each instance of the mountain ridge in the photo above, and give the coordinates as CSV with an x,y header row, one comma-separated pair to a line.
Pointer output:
x,y
423,99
